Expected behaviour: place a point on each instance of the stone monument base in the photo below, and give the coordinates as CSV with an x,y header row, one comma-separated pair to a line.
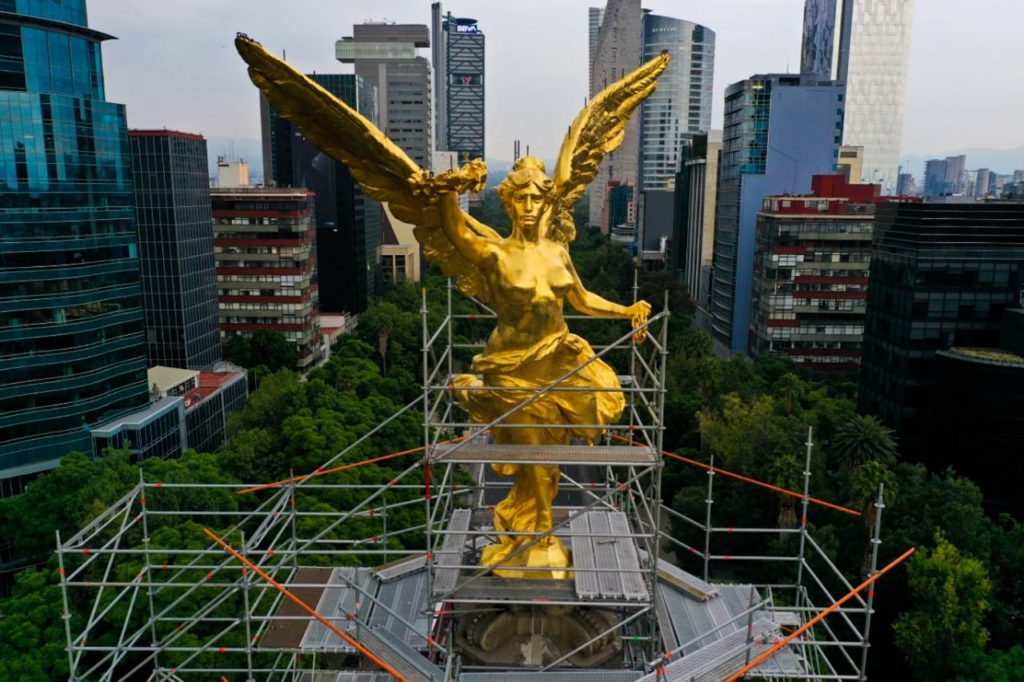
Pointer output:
x,y
533,636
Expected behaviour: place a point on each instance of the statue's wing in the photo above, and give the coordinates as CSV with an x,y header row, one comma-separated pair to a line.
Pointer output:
x,y
383,170
597,130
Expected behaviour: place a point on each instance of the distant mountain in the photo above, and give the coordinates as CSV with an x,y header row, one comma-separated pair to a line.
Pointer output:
x,y
1003,161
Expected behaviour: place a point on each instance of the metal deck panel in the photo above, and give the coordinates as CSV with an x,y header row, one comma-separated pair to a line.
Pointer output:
x,y
452,549
614,455
407,662
527,590
690,619
600,540
337,602
668,632
633,584
584,579
604,555
718,660
737,597
406,597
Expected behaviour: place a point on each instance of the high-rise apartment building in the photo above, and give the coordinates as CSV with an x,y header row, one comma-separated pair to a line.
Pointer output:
x,y
866,45
72,340
172,214
945,176
617,51
265,246
348,223
694,235
803,117
595,15
458,55
385,57
232,173
851,163
941,277
906,186
982,182
622,36
811,268
680,106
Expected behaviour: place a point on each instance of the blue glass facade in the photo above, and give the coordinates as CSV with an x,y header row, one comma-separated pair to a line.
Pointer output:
x,y
72,350
779,131
348,223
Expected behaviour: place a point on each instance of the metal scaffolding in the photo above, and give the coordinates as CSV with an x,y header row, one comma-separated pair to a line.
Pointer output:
x,y
285,586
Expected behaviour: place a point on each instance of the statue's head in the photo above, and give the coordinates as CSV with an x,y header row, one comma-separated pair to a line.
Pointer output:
x,y
526,193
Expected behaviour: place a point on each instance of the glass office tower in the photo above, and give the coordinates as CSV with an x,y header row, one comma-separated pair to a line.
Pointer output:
x,y
72,348
780,130
179,286
866,45
681,105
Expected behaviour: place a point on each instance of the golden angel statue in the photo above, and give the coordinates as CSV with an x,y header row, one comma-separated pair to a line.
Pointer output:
x,y
526,278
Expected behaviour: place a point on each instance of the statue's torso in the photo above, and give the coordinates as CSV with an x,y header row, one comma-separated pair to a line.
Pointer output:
x,y
528,285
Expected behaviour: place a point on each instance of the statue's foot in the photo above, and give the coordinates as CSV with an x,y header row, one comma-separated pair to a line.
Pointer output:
x,y
546,559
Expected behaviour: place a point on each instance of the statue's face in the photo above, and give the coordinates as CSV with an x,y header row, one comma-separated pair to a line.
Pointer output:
x,y
527,206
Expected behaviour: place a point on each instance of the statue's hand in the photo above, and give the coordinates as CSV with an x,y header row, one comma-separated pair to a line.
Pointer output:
x,y
472,177
638,314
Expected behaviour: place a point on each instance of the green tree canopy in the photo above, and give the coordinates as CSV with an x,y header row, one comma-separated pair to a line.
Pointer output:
x,y
945,627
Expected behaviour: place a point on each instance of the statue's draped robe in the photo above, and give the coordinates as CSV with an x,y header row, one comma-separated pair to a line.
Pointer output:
x,y
512,377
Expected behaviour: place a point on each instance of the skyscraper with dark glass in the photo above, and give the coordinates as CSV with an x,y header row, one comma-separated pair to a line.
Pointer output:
x,y
942,276
72,346
348,224
172,211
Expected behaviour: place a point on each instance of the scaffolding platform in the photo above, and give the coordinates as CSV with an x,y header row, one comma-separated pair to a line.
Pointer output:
x,y
348,597
643,590
490,453
721,659
602,540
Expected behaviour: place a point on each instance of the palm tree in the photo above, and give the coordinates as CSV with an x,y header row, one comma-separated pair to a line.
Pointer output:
x,y
864,439
863,491
790,389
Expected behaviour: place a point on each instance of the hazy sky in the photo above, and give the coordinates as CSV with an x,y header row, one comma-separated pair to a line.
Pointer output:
x,y
174,64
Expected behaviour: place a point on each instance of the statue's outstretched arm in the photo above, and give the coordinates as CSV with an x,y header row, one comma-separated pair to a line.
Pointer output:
x,y
589,303
476,249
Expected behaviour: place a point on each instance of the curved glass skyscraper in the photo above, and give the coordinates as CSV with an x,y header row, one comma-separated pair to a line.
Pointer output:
x,y
681,104
72,350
